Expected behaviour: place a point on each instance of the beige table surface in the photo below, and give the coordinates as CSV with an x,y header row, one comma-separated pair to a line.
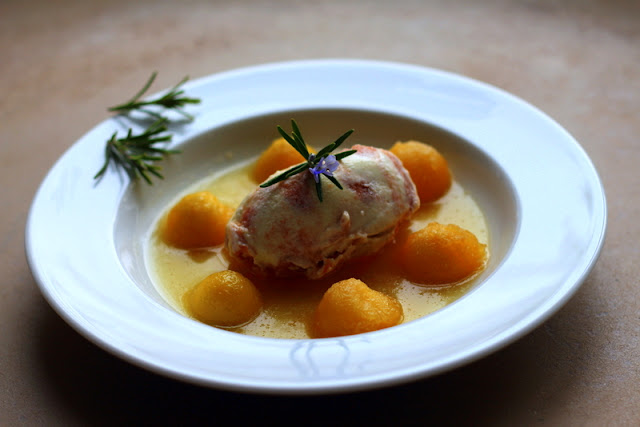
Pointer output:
x,y
63,62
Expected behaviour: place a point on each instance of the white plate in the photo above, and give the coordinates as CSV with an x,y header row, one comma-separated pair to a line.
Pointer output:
x,y
542,196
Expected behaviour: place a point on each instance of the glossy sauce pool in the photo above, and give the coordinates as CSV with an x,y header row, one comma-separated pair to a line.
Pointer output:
x,y
289,304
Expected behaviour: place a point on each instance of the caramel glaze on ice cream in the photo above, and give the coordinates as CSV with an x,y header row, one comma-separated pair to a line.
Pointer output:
x,y
284,230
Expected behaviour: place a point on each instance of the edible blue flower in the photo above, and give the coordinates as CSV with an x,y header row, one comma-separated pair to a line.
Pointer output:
x,y
326,166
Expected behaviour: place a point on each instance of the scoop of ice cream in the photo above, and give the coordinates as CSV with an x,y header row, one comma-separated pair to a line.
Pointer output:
x,y
285,230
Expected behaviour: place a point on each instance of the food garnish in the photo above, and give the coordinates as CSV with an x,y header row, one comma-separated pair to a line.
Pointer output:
x,y
322,163
137,154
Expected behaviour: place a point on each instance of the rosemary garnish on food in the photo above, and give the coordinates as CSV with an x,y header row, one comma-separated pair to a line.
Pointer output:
x,y
137,154
322,163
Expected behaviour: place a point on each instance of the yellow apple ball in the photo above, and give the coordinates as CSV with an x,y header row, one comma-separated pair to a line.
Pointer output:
x,y
442,254
350,307
428,169
224,299
198,220
280,155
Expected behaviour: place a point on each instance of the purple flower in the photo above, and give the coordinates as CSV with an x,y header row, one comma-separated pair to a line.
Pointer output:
x,y
327,166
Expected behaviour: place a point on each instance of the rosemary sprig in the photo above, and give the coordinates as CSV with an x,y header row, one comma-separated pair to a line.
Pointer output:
x,y
172,100
137,154
323,163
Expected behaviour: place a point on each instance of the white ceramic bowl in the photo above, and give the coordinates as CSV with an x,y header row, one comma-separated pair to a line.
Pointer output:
x,y
542,197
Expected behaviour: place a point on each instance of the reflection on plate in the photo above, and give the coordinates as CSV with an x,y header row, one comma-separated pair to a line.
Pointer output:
x,y
538,189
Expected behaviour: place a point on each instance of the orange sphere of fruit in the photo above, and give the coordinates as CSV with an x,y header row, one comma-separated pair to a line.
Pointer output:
x,y
198,220
350,307
442,254
224,299
427,168
280,155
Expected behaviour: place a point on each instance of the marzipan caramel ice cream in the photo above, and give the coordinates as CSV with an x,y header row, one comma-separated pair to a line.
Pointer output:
x,y
285,230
